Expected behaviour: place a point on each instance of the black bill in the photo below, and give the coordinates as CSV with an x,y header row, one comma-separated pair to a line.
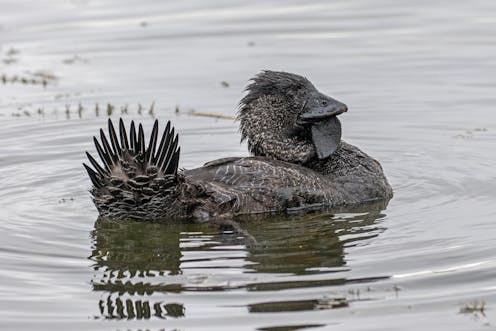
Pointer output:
x,y
319,109
326,136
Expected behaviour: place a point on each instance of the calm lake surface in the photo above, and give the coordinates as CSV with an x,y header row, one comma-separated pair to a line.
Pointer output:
x,y
419,79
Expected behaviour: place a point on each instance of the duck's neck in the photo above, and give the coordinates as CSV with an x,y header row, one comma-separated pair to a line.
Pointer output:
x,y
267,113
269,125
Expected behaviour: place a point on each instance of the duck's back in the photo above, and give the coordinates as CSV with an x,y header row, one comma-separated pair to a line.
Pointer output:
x,y
254,185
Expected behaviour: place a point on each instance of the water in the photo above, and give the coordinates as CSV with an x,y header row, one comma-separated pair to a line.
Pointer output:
x,y
419,81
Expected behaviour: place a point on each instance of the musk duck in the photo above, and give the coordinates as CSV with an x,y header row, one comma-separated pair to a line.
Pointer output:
x,y
299,163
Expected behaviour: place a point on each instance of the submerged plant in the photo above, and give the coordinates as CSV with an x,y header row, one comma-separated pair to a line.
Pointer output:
x,y
110,109
477,307
37,78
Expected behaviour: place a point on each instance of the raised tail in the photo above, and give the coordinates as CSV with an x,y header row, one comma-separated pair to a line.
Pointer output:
x,y
134,180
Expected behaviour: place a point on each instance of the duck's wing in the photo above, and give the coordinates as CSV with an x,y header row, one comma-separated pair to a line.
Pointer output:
x,y
255,172
256,184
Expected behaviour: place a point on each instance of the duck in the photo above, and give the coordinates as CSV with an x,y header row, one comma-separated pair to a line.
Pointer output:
x,y
298,163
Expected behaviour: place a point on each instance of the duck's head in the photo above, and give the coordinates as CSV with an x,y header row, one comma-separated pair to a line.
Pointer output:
x,y
285,117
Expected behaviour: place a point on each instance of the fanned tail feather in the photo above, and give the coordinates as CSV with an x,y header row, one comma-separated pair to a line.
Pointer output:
x,y
131,174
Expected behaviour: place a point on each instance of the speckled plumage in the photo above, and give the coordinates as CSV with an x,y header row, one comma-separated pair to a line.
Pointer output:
x,y
268,116
143,182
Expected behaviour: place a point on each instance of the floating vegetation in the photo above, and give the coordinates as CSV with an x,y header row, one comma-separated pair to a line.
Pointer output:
x,y
66,95
475,308
354,293
151,111
193,112
11,56
65,200
12,52
47,75
79,110
68,111
75,59
37,78
21,79
40,77
470,134
108,109
124,110
9,60
397,290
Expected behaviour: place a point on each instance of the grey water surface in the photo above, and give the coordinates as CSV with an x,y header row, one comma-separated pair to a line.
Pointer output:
x,y
419,79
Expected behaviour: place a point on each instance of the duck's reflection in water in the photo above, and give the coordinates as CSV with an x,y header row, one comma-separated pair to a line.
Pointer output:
x,y
136,263
128,257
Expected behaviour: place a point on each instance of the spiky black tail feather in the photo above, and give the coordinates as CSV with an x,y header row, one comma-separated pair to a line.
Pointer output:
x,y
131,173
132,154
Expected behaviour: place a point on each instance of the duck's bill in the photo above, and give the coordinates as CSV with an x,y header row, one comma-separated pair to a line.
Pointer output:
x,y
318,112
326,136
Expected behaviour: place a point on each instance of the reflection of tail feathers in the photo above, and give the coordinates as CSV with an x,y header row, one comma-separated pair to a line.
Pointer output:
x,y
130,172
117,308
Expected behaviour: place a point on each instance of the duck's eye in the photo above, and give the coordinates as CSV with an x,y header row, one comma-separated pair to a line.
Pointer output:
x,y
324,103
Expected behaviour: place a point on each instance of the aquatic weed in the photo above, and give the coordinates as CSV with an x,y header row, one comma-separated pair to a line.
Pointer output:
x,y
476,308
151,112
37,78
110,109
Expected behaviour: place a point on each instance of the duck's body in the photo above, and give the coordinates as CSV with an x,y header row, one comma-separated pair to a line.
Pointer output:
x,y
257,185
144,183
